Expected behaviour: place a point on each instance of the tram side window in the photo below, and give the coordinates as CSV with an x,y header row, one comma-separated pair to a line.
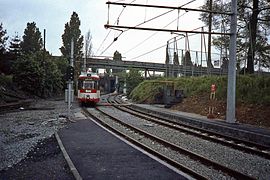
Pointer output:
x,y
80,82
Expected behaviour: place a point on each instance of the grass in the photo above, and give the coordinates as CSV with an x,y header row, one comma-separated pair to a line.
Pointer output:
x,y
249,89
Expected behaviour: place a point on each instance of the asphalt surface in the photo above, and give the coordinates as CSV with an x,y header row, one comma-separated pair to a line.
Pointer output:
x,y
97,154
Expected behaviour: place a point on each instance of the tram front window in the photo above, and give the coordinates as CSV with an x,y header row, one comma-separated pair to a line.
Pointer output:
x,y
89,85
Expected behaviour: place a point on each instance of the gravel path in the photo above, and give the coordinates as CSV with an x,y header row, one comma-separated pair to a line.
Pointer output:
x,y
25,131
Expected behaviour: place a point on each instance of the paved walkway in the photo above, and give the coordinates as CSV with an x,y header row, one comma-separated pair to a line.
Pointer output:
x,y
97,154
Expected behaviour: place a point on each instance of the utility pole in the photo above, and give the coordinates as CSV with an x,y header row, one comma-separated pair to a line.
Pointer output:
x,y
230,114
70,80
44,62
209,60
86,54
44,44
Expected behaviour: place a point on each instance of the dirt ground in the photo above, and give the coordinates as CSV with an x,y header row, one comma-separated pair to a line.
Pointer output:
x,y
258,115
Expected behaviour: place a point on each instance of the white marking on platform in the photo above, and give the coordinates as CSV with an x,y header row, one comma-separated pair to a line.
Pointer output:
x,y
79,116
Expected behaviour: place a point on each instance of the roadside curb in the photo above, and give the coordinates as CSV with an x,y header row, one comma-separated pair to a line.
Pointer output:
x,y
67,158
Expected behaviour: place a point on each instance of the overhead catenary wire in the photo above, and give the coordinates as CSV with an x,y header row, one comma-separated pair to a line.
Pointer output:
x,y
145,12
137,26
148,52
151,19
167,12
115,39
131,49
158,29
170,7
116,22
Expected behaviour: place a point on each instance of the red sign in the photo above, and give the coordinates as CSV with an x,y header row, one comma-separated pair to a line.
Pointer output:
x,y
213,88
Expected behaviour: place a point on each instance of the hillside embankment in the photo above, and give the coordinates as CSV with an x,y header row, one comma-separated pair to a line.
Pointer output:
x,y
9,93
252,96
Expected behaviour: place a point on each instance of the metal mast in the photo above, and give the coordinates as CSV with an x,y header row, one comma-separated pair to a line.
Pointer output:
x,y
230,114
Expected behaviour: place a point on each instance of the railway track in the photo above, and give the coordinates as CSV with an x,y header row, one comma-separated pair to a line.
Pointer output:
x,y
218,168
14,105
141,145
245,146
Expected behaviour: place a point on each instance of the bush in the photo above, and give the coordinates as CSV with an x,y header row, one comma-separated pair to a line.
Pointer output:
x,y
5,80
39,78
146,91
249,89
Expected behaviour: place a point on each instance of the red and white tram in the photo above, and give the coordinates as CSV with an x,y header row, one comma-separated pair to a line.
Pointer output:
x,y
88,88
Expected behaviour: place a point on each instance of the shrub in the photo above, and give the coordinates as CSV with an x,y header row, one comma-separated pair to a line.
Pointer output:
x,y
249,88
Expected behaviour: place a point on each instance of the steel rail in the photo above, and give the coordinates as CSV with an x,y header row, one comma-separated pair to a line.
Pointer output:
x,y
249,147
15,105
221,139
236,143
146,148
192,155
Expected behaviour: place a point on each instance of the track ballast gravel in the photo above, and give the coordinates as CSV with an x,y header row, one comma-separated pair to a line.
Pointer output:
x,y
25,132
246,163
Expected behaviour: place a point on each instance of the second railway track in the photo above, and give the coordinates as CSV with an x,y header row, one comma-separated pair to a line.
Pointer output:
x,y
203,166
242,145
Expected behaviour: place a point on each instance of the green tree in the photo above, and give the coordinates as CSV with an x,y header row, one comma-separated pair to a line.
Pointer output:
x,y
72,30
117,56
133,78
15,46
62,64
28,74
253,30
14,51
32,40
3,39
53,80
37,77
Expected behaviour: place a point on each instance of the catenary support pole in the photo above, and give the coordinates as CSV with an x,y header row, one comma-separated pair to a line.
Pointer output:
x,y
230,114
43,59
209,60
70,82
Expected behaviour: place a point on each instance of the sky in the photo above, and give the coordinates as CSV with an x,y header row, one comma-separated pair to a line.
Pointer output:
x,y
52,16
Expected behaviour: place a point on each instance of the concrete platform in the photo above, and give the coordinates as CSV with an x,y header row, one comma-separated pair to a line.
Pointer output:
x,y
97,154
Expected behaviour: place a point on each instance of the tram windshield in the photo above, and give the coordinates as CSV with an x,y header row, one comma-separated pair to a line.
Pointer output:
x,y
88,84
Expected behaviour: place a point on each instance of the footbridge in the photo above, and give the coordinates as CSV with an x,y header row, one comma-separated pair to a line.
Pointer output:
x,y
169,69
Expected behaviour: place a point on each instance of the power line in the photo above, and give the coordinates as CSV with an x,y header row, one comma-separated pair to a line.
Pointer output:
x,y
148,52
115,39
131,49
171,7
163,14
136,26
165,30
116,22
124,5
